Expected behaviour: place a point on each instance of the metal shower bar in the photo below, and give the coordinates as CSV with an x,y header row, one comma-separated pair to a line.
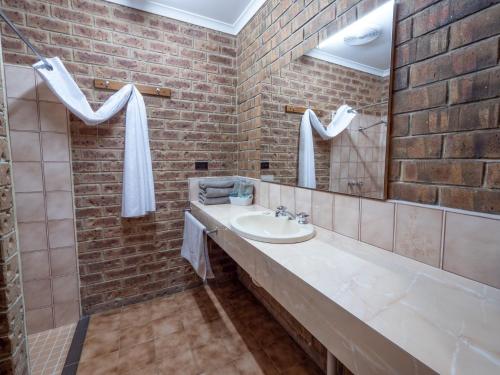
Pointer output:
x,y
25,40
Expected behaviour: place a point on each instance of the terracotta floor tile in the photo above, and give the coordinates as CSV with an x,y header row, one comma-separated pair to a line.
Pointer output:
x,y
102,343
285,353
108,321
181,363
307,368
212,356
203,334
136,358
106,364
134,335
165,307
166,326
171,345
135,315
255,363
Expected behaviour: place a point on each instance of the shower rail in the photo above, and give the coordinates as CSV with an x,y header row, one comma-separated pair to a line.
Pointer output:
x,y
25,40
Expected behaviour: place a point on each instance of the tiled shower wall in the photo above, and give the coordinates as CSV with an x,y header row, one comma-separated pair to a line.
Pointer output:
x,y
39,134
126,260
13,348
445,135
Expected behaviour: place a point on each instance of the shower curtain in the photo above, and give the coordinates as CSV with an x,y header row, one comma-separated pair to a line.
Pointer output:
x,y
138,197
341,120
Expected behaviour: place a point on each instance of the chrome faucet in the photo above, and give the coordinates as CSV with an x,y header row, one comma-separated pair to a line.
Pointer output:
x,y
282,211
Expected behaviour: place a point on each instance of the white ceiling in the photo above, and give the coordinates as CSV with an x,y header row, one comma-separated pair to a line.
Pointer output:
x,y
228,16
374,57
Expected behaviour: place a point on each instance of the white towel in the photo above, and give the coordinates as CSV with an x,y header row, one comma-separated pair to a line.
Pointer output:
x,y
194,247
340,121
138,197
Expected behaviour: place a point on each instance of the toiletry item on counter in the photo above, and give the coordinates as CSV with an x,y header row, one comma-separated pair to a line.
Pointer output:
x,y
241,201
242,194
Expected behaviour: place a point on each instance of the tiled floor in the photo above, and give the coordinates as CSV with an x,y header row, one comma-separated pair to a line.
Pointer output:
x,y
208,330
48,350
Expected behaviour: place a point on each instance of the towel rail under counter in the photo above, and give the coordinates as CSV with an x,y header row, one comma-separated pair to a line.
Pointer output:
x,y
207,231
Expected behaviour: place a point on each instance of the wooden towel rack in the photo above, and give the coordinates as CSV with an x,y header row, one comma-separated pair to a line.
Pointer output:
x,y
143,89
300,110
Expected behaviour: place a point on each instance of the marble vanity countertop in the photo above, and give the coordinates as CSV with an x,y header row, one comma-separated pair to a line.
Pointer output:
x,y
446,323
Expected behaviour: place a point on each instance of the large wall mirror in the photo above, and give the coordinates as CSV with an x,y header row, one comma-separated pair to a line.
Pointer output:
x,y
326,114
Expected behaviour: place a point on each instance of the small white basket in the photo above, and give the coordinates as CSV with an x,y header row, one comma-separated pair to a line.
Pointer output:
x,y
241,201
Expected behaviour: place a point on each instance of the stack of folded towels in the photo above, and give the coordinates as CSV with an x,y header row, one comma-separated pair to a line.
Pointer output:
x,y
218,191
215,191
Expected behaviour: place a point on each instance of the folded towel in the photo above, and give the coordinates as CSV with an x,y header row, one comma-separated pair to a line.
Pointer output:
x,y
138,196
210,201
216,184
194,247
216,192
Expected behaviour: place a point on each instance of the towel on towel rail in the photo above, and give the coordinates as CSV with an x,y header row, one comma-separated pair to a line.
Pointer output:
x,y
138,196
194,247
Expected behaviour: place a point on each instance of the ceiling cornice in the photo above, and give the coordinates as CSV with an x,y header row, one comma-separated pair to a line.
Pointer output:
x,y
155,7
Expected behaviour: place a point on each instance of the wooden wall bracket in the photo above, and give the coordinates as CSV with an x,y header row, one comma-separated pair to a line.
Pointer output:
x,y
300,110
143,89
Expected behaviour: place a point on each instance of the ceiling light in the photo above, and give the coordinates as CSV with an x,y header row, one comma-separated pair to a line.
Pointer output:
x,y
363,34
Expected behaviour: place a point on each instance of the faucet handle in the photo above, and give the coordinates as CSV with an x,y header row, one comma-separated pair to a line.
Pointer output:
x,y
302,217
280,211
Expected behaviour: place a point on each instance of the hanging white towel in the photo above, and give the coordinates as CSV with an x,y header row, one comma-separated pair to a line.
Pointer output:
x,y
340,121
194,247
138,197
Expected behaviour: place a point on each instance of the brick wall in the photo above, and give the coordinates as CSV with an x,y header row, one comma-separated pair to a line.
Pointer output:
x,y
124,260
324,86
445,134
13,358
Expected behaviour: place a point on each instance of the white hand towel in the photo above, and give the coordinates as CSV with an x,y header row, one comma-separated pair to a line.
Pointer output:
x,y
138,197
194,247
340,121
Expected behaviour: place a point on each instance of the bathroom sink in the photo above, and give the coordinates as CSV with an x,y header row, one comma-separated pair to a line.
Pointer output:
x,y
265,227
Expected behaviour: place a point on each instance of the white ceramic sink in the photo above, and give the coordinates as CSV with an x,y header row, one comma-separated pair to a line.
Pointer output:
x,y
265,227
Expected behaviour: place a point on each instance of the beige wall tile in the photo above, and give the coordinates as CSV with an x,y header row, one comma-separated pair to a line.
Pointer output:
x,y
23,114
25,146
44,93
30,207
377,223
61,233
63,261
418,233
53,117
39,320
35,265
20,82
274,196
263,198
472,248
66,313
346,215
32,236
287,197
59,205
65,288
27,177
55,147
57,176
303,200
322,209
37,294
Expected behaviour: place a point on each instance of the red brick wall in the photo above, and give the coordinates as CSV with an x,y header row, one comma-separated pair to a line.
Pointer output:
x,y
122,261
446,138
445,141
13,358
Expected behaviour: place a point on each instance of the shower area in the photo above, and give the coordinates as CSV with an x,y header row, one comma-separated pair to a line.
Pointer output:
x,y
43,196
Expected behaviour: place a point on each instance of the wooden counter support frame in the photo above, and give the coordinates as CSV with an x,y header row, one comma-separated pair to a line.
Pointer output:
x,y
143,89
